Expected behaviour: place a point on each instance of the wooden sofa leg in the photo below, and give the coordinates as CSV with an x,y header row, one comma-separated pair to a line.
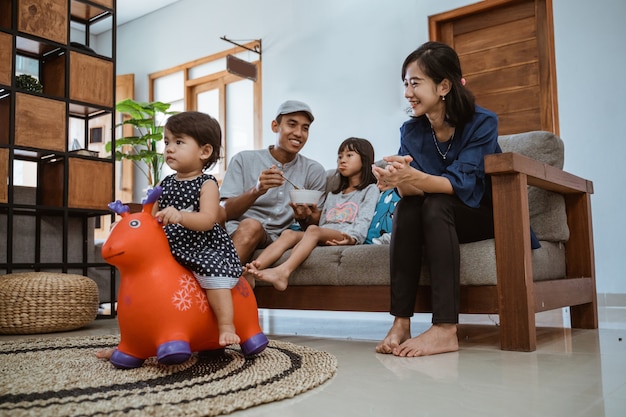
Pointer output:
x,y
584,316
581,257
518,331
516,297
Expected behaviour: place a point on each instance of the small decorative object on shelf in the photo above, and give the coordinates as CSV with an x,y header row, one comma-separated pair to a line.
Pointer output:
x,y
28,83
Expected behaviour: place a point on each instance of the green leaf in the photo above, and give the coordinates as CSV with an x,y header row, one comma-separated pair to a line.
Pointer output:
x,y
148,132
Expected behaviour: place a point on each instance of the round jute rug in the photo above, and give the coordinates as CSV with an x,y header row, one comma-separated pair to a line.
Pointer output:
x,y
62,377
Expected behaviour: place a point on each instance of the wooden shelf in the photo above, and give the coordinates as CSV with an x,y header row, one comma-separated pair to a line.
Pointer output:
x,y
89,183
5,117
40,122
6,63
84,12
5,14
43,18
82,85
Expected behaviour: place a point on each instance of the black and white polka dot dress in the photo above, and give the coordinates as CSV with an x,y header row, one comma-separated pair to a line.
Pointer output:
x,y
210,255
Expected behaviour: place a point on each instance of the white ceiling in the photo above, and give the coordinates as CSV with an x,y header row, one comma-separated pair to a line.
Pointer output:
x,y
128,10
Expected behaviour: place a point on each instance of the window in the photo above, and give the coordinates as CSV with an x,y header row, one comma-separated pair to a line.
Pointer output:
x,y
205,85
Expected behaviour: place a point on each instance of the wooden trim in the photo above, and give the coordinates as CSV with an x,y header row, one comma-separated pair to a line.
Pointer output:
x,y
203,60
539,174
547,66
437,21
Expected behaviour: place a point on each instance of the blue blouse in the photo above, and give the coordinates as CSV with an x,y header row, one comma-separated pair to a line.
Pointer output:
x,y
464,163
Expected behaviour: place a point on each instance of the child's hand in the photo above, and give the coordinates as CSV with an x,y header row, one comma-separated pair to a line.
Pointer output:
x,y
169,215
347,240
303,211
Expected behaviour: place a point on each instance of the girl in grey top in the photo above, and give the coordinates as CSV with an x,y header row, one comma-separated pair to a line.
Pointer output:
x,y
344,220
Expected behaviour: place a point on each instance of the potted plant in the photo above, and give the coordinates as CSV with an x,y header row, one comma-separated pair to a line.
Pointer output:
x,y
28,83
146,118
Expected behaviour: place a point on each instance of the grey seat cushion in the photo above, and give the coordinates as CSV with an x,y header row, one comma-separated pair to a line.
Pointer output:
x,y
547,209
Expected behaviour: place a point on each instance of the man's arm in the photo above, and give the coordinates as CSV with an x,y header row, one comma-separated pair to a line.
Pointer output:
x,y
236,206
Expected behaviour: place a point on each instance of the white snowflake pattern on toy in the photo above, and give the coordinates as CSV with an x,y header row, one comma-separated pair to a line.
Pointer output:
x,y
188,283
202,302
182,300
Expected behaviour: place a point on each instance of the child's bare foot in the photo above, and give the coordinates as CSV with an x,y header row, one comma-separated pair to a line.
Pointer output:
x,y
249,271
439,338
228,335
105,354
399,332
278,277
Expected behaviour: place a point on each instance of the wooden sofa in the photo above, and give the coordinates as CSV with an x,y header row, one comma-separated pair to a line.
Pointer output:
x,y
498,276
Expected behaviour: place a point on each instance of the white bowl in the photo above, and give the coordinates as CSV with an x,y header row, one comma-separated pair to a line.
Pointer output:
x,y
305,196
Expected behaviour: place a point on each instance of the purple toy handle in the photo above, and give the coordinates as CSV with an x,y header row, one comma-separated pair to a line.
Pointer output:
x,y
153,195
118,207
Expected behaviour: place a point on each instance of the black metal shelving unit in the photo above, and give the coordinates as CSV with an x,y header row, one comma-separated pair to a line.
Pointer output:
x,y
51,227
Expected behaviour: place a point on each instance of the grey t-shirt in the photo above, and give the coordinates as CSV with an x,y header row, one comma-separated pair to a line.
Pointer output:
x,y
272,208
351,213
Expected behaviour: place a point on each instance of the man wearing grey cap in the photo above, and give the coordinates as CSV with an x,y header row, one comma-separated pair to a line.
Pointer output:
x,y
254,192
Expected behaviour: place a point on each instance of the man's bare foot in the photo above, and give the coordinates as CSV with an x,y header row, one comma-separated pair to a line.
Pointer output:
x,y
105,354
228,335
399,332
439,338
275,276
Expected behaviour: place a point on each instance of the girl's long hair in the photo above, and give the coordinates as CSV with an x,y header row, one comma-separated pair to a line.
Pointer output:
x,y
366,151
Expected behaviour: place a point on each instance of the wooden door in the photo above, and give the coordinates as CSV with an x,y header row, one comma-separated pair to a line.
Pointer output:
x,y
124,172
124,88
506,48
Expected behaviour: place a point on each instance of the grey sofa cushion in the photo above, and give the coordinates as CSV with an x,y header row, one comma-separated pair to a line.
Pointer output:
x,y
547,209
369,265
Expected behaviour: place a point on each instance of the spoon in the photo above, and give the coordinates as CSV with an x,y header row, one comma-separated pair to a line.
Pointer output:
x,y
289,181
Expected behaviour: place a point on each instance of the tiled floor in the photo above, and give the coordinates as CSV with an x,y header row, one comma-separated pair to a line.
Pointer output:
x,y
572,373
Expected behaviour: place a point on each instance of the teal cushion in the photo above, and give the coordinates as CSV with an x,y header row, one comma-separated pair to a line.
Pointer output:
x,y
381,222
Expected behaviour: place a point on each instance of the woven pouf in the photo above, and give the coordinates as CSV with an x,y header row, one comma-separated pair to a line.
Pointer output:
x,y
43,302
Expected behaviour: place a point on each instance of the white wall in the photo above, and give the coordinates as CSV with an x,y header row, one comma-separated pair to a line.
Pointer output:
x,y
344,57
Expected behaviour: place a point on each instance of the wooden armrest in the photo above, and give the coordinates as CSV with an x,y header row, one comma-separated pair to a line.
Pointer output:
x,y
538,173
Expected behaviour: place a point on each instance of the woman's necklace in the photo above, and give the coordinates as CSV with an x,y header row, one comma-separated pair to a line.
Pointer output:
x,y
443,155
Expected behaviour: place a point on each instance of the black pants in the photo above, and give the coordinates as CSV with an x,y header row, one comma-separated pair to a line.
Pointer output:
x,y
433,225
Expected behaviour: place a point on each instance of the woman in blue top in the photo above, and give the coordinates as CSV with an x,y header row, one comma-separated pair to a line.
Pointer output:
x,y
446,197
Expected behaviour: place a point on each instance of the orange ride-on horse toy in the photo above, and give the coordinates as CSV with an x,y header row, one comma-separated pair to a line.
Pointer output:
x,y
162,310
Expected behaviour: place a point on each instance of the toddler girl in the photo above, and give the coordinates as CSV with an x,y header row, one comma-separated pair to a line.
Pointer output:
x,y
190,212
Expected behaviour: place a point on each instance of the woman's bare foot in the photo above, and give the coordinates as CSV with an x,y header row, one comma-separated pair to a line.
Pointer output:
x,y
228,335
105,354
399,332
439,338
278,277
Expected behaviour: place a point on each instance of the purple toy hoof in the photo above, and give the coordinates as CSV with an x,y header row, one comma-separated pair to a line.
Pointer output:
x,y
174,352
124,361
255,344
